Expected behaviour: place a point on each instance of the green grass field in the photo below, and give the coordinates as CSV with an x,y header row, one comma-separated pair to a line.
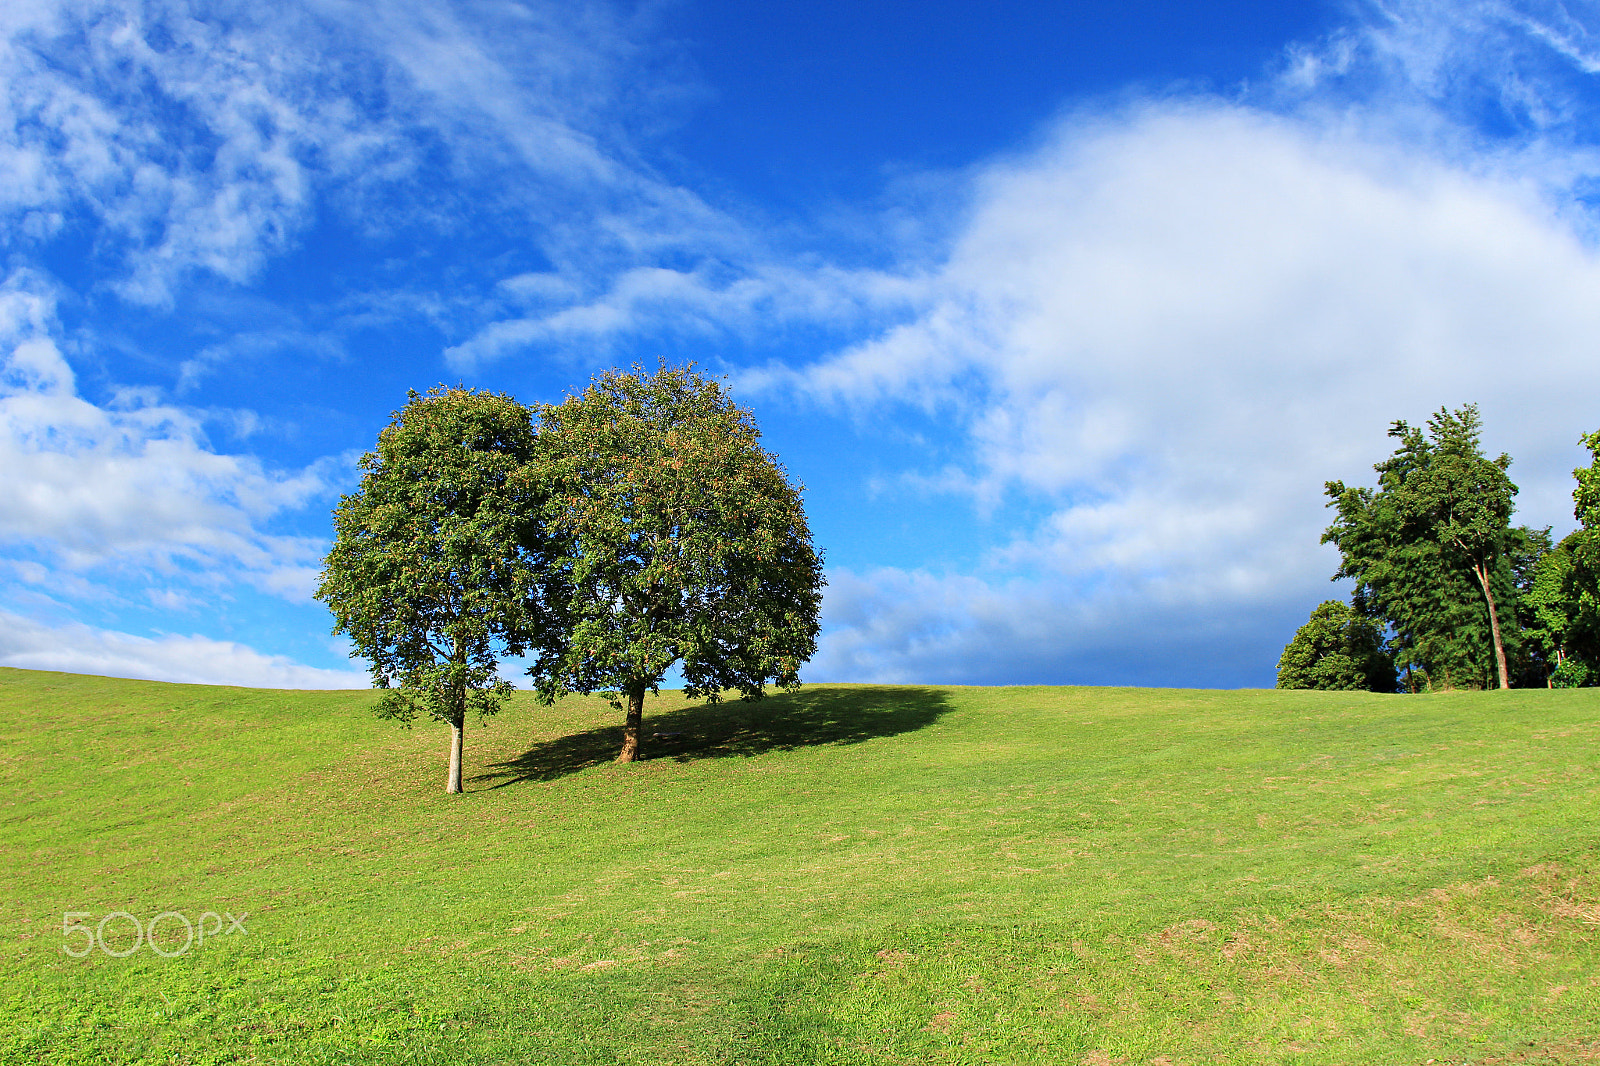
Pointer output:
x,y
844,875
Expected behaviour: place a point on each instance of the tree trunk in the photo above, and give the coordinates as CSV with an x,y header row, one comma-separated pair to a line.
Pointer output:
x,y
456,729
1482,570
458,719
635,723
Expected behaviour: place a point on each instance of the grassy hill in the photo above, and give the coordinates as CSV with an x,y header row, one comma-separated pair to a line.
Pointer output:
x,y
845,875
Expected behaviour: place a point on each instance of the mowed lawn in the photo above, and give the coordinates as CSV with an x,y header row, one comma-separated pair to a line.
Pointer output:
x,y
849,874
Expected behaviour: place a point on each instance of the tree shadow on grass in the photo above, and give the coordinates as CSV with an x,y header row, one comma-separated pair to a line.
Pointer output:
x,y
736,729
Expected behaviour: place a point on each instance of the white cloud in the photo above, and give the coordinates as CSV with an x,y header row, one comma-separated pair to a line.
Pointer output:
x,y
257,345
192,143
1190,316
134,485
710,301
207,137
194,659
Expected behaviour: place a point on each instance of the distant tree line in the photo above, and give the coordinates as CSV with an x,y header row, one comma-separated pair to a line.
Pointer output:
x,y
1448,593
634,527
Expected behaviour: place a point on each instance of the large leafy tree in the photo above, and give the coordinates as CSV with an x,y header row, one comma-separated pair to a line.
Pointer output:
x,y
1337,649
1463,501
1432,550
684,543
435,571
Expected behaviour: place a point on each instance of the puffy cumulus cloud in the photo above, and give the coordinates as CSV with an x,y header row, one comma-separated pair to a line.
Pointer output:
x,y
81,649
135,485
1172,322
1188,318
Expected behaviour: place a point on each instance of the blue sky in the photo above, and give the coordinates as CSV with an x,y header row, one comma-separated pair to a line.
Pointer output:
x,y
1063,313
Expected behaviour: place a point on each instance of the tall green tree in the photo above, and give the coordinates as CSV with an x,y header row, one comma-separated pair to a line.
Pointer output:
x,y
435,571
1337,649
685,544
1463,501
1431,550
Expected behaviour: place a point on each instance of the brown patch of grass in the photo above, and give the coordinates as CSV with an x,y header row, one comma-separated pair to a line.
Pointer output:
x,y
1098,1057
1236,945
1085,1001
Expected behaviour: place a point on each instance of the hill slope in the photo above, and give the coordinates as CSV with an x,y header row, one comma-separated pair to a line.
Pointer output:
x,y
844,875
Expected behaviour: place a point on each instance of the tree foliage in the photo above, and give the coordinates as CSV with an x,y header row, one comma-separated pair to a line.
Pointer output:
x,y
684,543
1433,554
1337,649
435,571
1566,587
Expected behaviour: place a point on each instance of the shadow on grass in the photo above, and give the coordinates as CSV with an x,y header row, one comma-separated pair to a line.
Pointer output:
x,y
736,728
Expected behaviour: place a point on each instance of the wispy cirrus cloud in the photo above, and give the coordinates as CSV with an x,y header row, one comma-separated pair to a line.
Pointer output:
x,y
715,300
189,136
182,144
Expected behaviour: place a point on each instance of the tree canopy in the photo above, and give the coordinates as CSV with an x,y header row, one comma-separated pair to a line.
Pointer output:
x,y
437,563
1337,649
683,543
1551,617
